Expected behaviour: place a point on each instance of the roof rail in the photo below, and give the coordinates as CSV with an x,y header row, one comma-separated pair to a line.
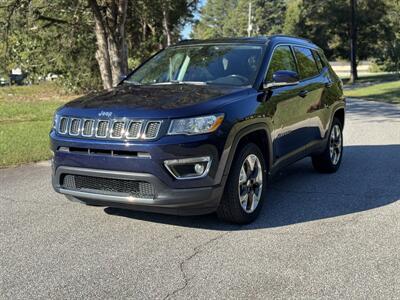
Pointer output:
x,y
188,40
291,36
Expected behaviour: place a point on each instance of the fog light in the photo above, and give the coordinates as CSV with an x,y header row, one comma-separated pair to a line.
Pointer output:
x,y
199,169
189,168
63,149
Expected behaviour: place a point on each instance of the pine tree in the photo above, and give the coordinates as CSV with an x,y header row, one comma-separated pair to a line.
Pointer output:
x,y
270,16
230,18
237,22
214,16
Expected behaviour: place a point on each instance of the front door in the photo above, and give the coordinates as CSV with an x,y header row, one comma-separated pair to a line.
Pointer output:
x,y
284,106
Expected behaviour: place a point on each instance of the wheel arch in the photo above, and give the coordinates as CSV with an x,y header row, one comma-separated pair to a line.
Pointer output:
x,y
339,114
257,133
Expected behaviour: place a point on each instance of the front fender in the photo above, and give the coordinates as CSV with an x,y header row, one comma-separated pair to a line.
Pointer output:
x,y
239,131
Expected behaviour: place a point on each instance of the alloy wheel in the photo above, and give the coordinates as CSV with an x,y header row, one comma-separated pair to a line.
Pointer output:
x,y
250,183
335,144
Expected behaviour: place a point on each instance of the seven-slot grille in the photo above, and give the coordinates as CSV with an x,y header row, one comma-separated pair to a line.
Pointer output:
x,y
152,129
75,126
118,129
63,126
134,128
88,127
120,187
114,129
102,129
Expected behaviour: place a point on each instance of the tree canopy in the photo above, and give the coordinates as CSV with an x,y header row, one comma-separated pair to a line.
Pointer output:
x,y
230,18
327,23
87,42
91,43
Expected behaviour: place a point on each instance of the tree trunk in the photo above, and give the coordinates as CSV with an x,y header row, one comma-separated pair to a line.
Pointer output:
x,y
165,23
112,54
103,57
154,35
353,42
116,40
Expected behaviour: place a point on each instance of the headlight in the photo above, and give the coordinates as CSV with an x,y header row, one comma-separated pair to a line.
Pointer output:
x,y
55,121
196,125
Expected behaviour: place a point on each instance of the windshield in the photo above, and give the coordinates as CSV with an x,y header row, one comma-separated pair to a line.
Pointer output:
x,y
227,64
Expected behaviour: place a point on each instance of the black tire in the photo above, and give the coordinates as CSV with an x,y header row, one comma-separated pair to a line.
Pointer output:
x,y
324,163
230,208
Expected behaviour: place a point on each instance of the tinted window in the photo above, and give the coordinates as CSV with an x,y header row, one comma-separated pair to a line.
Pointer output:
x,y
307,65
282,59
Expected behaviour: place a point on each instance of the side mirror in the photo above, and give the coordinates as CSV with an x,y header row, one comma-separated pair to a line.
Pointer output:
x,y
282,78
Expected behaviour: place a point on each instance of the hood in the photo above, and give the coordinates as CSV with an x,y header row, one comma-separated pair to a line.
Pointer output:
x,y
152,97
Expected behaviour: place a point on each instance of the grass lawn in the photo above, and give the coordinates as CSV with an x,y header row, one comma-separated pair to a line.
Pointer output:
x,y
388,92
26,114
373,78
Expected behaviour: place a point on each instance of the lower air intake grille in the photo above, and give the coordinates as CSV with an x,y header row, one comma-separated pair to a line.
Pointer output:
x,y
110,186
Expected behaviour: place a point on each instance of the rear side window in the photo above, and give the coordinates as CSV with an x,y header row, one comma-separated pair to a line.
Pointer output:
x,y
319,61
282,59
307,65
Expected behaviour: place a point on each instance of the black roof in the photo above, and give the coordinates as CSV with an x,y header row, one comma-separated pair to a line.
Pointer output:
x,y
251,40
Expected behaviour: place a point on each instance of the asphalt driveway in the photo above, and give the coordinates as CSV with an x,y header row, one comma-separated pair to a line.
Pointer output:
x,y
319,236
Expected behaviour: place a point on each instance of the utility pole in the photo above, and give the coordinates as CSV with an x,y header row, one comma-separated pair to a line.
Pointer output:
x,y
250,24
353,41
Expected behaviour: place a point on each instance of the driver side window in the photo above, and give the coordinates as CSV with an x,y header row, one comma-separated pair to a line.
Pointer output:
x,y
282,59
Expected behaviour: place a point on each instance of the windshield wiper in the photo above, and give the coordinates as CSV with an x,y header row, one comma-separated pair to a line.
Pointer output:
x,y
132,82
185,82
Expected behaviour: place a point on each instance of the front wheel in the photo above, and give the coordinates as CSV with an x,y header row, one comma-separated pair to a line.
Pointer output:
x,y
329,161
245,187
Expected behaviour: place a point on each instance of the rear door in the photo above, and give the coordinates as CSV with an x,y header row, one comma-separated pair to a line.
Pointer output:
x,y
311,88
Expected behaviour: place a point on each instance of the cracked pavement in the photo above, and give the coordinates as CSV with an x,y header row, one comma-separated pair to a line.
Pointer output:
x,y
318,236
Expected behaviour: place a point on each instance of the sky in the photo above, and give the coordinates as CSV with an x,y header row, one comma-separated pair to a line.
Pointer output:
x,y
188,27
186,31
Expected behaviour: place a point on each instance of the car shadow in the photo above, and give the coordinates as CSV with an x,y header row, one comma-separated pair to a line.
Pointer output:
x,y
367,179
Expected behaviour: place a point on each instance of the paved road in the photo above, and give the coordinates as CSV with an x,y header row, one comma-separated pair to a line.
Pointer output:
x,y
320,236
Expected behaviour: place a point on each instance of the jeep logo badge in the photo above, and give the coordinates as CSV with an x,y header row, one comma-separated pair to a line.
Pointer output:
x,y
105,114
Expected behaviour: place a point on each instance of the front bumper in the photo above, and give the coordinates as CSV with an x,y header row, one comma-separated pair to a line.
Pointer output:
x,y
168,200
166,148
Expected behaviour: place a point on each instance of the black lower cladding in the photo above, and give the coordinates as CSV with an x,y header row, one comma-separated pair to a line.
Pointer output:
x,y
140,189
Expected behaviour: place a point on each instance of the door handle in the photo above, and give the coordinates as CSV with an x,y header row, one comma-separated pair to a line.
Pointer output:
x,y
303,93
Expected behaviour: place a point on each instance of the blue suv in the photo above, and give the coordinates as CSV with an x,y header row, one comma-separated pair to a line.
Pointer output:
x,y
200,126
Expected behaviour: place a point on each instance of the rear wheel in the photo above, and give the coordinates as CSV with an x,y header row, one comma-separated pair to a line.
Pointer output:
x,y
245,187
329,161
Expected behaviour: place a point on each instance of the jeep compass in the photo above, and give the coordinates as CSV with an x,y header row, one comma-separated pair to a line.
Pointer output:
x,y
200,127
